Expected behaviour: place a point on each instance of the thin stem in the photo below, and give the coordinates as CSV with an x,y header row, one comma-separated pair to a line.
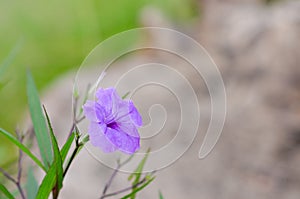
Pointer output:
x,y
71,130
110,180
75,107
76,150
80,119
8,176
78,145
125,189
21,138
75,122
71,160
20,190
114,174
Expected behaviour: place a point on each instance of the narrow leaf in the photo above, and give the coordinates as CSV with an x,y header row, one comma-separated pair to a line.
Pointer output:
x,y
31,185
47,183
39,124
138,171
6,192
126,94
22,147
65,149
160,195
3,83
7,62
133,193
10,58
57,156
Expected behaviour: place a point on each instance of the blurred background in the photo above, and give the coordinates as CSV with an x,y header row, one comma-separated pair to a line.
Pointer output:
x,y
51,38
255,44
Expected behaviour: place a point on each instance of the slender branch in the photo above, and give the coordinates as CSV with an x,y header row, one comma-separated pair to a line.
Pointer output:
x,y
18,183
75,107
20,190
76,150
71,130
80,119
124,190
75,122
114,174
75,104
8,176
71,160
110,180
20,138
74,110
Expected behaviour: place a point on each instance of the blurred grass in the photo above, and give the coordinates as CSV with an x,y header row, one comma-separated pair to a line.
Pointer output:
x,y
55,37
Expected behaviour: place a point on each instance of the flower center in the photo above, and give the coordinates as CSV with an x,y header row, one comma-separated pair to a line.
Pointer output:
x,y
112,125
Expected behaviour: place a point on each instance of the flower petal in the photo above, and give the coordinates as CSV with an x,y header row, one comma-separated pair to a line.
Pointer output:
x,y
127,127
135,115
122,111
114,122
127,112
93,111
123,141
89,110
98,139
108,99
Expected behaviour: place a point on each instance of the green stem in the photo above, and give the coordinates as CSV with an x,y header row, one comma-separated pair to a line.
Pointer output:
x,y
78,147
71,160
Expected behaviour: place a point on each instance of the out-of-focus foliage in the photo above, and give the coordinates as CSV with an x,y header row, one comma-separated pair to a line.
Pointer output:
x,y
271,1
56,36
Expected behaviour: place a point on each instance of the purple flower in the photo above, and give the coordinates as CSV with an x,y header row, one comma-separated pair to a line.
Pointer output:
x,y
114,122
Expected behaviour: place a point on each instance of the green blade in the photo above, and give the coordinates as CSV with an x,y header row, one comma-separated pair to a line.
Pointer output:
x,y
31,185
126,94
22,147
47,183
6,192
138,172
65,149
7,62
57,156
160,195
39,124
137,189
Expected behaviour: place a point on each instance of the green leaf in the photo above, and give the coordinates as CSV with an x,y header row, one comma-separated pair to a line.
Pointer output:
x,y
160,195
6,192
85,139
65,149
10,58
86,95
39,124
138,172
22,147
47,183
57,156
137,189
3,83
31,185
126,94
7,62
